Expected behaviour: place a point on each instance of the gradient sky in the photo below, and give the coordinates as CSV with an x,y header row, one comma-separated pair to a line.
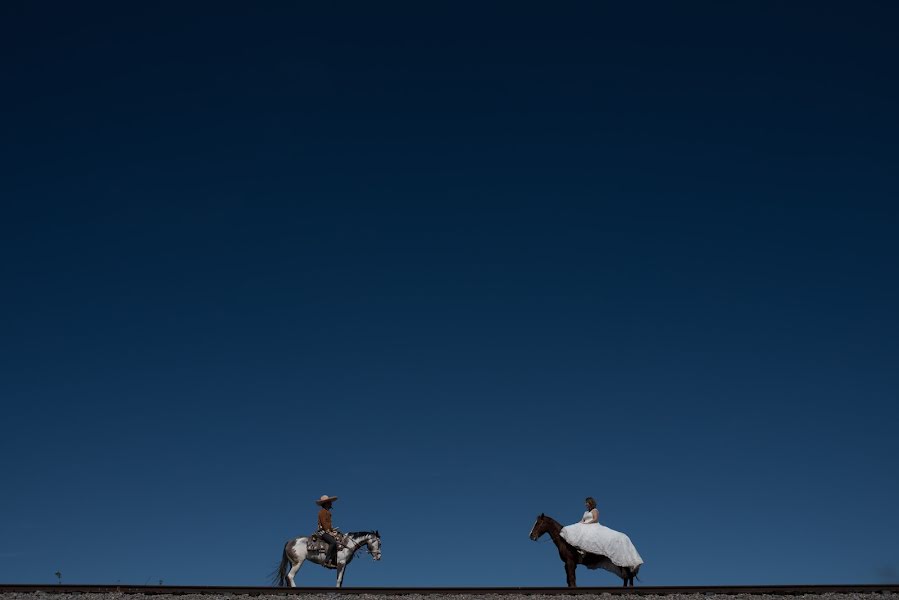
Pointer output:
x,y
458,264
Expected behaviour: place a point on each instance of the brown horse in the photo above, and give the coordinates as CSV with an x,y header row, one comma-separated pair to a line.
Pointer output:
x,y
572,557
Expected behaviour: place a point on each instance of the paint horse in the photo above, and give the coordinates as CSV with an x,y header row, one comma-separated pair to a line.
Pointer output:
x,y
299,550
572,557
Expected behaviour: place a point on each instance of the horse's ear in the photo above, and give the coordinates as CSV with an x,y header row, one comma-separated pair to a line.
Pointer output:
x,y
377,533
542,515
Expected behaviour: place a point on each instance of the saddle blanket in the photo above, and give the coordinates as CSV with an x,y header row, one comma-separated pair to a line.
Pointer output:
x,y
316,545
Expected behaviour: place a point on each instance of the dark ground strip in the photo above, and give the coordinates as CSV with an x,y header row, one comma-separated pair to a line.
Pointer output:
x,y
777,590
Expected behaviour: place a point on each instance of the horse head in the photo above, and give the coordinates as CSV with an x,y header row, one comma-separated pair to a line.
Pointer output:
x,y
373,541
541,526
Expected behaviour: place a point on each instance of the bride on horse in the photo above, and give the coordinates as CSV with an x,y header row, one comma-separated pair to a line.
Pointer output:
x,y
589,536
590,544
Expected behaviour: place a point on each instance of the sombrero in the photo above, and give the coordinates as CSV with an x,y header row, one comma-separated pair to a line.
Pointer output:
x,y
325,498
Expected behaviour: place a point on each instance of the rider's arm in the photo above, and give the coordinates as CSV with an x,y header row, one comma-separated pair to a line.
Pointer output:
x,y
595,514
324,520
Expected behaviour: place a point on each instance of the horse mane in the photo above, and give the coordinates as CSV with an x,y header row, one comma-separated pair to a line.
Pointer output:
x,y
552,521
362,533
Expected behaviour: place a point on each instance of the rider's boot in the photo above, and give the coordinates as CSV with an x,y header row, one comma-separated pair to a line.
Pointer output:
x,y
331,560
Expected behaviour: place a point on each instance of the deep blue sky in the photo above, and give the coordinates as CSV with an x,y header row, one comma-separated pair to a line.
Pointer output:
x,y
457,264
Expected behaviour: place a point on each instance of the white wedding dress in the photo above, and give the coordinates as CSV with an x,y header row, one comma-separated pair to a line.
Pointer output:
x,y
590,536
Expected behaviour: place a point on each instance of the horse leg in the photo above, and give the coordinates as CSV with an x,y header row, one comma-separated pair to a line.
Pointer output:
x,y
570,566
341,567
293,571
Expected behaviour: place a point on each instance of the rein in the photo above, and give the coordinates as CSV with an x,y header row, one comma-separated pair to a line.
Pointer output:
x,y
360,545
544,537
541,539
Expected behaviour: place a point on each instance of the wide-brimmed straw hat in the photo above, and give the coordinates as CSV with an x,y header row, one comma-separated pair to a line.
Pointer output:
x,y
325,498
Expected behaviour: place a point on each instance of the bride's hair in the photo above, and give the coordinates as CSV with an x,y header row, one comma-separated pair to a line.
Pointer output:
x,y
591,502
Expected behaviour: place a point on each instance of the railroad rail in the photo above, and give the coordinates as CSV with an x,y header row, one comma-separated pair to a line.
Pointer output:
x,y
779,590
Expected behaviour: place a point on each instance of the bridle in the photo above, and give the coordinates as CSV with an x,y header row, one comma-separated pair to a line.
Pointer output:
x,y
359,544
540,535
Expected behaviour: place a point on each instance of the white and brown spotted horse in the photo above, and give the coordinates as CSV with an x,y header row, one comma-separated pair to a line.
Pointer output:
x,y
296,551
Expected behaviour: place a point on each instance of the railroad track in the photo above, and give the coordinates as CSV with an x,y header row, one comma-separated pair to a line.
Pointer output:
x,y
780,590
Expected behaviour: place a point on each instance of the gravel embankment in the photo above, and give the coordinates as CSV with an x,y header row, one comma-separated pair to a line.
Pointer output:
x,y
120,596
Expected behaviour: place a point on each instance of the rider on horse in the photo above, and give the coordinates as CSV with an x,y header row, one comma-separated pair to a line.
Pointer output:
x,y
326,530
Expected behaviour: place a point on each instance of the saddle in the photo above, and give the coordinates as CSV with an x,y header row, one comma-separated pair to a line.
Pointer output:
x,y
315,544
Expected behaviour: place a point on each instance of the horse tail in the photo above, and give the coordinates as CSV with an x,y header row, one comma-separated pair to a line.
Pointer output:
x,y
279,577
